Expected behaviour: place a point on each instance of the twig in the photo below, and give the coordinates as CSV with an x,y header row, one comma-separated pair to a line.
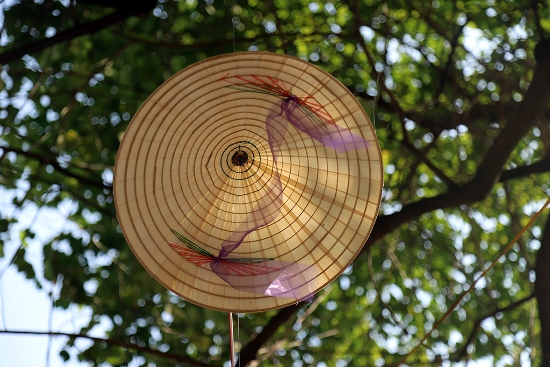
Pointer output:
x,y
477,325
490,169
119,343
541,166
474,283
46,159
250,350
77,31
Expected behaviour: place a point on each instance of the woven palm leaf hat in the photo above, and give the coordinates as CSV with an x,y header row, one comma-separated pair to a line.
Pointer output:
x,y
248,181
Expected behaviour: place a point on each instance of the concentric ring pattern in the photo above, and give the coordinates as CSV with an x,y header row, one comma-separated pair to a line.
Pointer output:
x,y
196,158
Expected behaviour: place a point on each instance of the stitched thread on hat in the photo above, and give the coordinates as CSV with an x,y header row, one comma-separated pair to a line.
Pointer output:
x,y
237,266
277,88
308,116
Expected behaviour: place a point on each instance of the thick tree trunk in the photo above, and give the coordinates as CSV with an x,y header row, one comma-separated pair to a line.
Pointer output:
x,y
542,292
542,266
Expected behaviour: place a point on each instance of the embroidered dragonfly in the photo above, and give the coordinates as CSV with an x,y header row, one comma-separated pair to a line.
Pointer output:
x,y
231,265
307,115
315,111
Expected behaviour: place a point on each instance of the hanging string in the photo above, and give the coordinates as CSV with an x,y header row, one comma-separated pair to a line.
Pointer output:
x,y
455,305
233,24
230,314
239,336
231,341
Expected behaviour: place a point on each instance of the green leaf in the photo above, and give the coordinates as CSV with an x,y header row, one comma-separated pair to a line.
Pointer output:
x,y
22,265
4,225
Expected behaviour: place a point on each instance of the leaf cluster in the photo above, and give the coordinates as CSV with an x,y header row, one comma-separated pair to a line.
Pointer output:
x,y
439,80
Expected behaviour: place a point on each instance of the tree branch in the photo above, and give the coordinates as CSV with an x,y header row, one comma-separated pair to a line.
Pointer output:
x,y
423,159
119,343
541,166
489,171
88,28
447,68
250,350
542,284
477,325
46,159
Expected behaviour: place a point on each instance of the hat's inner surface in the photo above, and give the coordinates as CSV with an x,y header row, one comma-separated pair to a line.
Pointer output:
x,y
197,158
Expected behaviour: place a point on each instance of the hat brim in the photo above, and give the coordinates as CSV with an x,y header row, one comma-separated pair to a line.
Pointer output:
x,y
174,171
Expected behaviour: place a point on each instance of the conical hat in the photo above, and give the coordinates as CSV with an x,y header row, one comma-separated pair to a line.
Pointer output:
x,y
199,161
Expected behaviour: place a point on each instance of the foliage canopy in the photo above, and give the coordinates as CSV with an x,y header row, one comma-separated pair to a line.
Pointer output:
x,y
458,93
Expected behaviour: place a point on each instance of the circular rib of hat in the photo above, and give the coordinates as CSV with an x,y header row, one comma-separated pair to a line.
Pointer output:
x,y
196,161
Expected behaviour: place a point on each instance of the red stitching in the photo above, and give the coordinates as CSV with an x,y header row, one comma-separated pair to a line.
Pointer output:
x,y
283,91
